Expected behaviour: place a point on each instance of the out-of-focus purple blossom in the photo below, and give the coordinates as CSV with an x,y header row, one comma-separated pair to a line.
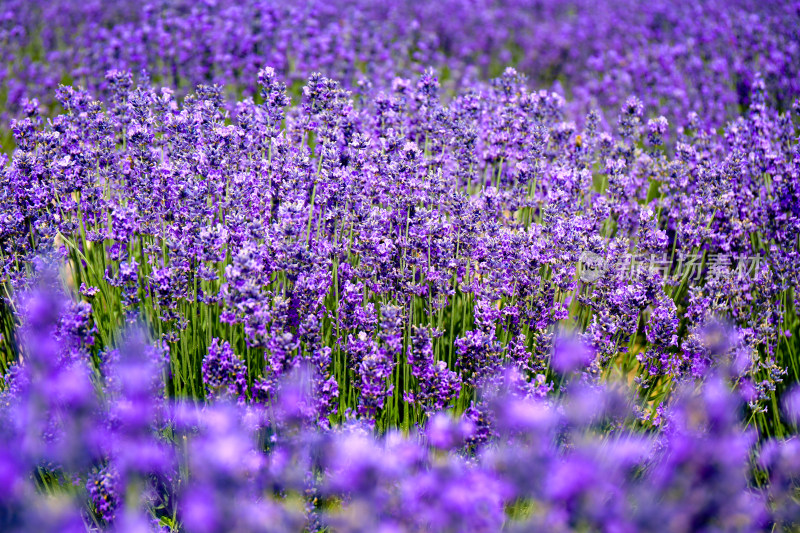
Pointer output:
x,y
570,353
791,405
446,433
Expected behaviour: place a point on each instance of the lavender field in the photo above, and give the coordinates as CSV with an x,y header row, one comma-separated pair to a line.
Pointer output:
x,y
380,267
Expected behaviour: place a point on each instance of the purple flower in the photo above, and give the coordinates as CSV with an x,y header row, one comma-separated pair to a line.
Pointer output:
x,y
437,384
224,373
104,492
571,354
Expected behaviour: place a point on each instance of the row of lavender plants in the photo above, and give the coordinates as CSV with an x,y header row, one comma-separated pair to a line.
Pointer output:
x,y
97,447
397,314
408,249
676,56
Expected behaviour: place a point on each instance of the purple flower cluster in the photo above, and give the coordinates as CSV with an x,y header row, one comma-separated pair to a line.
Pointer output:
x,y
104,493
224,374
438,385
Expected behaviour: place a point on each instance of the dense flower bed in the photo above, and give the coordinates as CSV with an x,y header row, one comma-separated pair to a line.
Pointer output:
x,y
677,57
396,298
